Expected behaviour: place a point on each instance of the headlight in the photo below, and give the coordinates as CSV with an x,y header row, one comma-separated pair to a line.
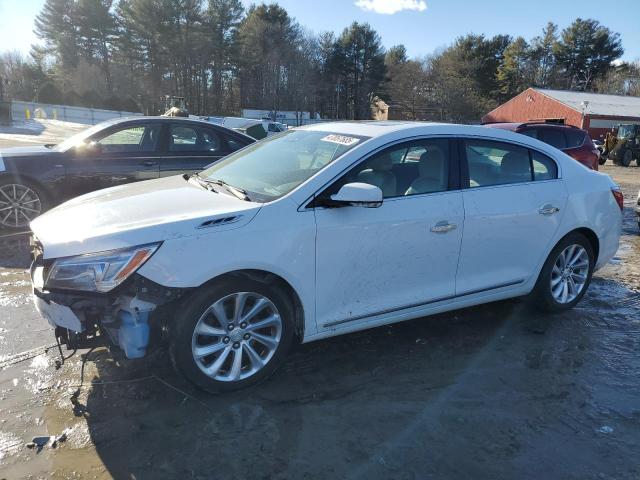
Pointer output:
x,y
98,272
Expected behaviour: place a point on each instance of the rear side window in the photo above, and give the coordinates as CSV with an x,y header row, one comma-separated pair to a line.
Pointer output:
x,y
234,144
543,167
575,138
193,139
529,132
553,136
496,163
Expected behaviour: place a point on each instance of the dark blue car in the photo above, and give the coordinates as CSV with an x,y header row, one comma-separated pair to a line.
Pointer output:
x,y
34,179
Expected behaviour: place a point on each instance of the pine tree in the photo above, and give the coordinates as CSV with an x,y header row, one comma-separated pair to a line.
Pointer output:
x,y
585,52
96,33
58,26
543,58
514,72
359,56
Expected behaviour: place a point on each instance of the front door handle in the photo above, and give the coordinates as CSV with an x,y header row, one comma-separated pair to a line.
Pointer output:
x,y
149,163
443,227
548,209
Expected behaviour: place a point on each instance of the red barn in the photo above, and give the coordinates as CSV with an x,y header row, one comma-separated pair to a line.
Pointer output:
x,y
594,112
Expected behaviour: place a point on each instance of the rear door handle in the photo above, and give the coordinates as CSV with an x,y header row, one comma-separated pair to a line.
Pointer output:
x,y
149,163
443,227
548,209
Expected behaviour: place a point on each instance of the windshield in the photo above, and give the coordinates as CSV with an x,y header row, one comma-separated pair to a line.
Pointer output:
x,y
626,131
78,138
273,167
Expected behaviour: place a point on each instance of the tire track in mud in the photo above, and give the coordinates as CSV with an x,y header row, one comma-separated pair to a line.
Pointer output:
x,y
9,360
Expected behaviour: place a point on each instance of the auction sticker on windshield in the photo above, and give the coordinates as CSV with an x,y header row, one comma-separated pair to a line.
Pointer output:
x,y
341,139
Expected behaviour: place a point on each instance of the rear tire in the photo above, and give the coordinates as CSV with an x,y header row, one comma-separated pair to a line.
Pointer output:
x,y
627,158
566,274
217,341
20,203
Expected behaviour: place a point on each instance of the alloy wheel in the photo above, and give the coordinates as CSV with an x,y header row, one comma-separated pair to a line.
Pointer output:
x,y
19,205
569,274
236,336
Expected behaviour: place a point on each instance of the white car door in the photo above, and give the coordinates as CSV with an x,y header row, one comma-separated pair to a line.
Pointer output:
x,y
513,208
373,261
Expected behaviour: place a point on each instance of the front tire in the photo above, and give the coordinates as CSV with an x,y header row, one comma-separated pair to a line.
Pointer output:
x,y
20,203
232,334
566,274
627,158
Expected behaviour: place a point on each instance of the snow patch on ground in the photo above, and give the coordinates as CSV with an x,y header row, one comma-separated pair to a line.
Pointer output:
x,y
38,132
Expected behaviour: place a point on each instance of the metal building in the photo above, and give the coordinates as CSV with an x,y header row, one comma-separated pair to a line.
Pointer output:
x,y
596,113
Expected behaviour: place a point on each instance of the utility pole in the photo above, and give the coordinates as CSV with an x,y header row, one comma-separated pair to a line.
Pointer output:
x,y
5,105
584,105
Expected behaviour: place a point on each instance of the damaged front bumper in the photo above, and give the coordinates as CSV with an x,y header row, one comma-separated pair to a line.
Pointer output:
x,y
131,317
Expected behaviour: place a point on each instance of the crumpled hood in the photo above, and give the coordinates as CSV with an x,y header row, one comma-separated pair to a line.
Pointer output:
x,y
137,213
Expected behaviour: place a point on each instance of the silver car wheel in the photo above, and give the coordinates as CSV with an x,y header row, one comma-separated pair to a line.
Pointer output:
x,y
569,274
18,205
236,336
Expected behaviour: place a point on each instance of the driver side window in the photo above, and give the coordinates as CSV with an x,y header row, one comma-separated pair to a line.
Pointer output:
x,y
411,168
135,139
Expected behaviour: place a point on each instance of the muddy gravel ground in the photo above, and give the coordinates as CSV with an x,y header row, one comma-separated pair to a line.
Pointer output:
x,y
498,391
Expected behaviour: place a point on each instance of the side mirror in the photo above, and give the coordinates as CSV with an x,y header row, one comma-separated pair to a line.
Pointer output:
x,y
358,195
89,148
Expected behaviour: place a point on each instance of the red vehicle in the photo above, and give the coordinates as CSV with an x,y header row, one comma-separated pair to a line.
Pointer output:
x,y
573,141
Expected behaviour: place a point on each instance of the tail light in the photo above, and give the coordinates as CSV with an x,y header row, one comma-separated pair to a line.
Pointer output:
x,y
617,194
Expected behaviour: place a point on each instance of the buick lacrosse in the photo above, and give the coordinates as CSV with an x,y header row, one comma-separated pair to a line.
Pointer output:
x,y
319,231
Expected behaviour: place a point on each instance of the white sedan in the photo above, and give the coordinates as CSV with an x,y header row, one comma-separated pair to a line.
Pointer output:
x,y
320,231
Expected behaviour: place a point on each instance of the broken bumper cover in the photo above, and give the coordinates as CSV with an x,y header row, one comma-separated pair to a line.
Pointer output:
x,y
57,315
121,318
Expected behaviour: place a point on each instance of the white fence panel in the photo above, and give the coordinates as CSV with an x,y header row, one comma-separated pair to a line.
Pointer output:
x,y
88,116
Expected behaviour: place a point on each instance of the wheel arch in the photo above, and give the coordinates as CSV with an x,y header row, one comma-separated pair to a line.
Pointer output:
x,y
593,240
589,234
272,279
29,179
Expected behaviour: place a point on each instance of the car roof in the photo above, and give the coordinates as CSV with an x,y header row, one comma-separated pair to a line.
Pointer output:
x,y
370,128
373,129
516,125
162,118
380,131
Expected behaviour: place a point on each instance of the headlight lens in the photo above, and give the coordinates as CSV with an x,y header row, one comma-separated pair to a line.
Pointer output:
x,y
98,272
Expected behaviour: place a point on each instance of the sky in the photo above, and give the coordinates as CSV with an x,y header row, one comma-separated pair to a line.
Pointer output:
x,y
423,26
